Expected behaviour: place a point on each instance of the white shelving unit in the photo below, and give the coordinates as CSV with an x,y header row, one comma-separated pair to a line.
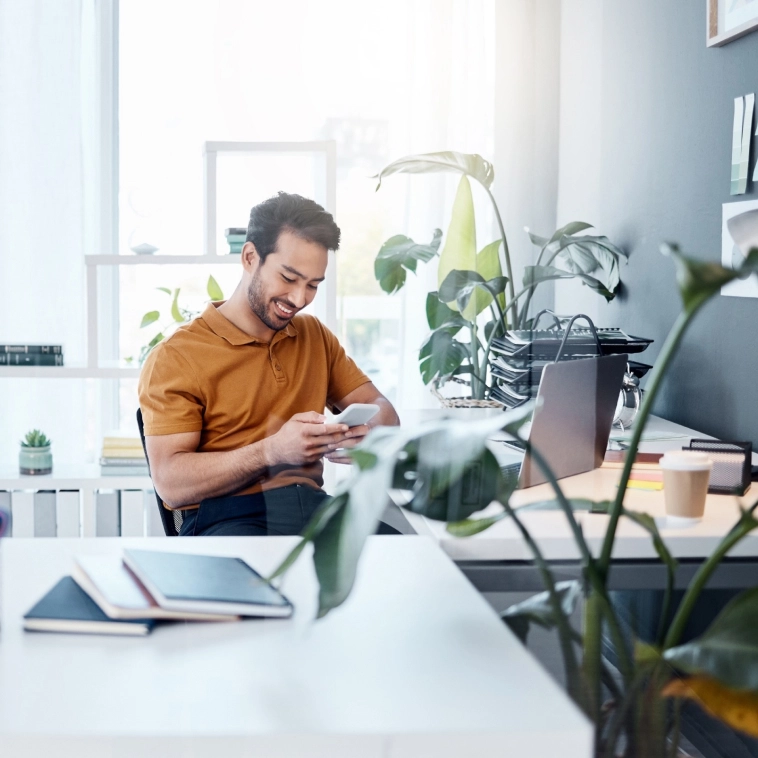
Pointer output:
x,y
86,479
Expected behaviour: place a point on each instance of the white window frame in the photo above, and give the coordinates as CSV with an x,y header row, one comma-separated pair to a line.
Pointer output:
x,y
325,148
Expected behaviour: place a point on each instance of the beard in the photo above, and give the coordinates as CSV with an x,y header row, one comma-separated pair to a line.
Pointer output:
x,y
259,306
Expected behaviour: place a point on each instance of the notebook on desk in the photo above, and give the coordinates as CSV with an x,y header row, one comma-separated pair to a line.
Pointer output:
x,y
576,402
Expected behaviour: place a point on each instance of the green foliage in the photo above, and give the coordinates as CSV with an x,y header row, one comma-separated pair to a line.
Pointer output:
x,y
35,438
400,254
470,282
539,609
451,475
179,315
728,650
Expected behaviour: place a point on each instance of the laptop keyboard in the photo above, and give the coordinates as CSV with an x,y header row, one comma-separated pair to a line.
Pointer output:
x,y
511,473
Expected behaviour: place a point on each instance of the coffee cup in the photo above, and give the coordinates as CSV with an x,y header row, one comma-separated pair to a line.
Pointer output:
x,y
685,484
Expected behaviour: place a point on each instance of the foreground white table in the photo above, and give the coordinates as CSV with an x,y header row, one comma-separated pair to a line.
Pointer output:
x,y
415,664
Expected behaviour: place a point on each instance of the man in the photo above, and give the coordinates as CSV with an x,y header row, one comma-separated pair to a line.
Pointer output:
x,y
233,402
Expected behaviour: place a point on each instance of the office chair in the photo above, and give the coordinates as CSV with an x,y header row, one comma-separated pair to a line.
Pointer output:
x,y
171,519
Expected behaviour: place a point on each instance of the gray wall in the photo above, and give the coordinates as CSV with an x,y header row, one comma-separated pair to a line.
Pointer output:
x,y
645,142
527,69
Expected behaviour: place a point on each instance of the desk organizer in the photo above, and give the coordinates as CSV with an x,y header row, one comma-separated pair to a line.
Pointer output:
x,y
731,465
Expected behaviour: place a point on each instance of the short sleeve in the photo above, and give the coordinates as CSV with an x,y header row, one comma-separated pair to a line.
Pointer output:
x,y
344,374
169,393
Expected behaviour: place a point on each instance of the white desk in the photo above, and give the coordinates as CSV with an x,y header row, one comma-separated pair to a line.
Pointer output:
x,y
502,544
415,664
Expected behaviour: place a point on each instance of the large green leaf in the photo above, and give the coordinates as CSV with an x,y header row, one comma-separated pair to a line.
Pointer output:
x,y
440,356
461,286
488,265
459,251
320,518
401,253
571,228
470,527
699,280
450,469
176,313
437,314
728,651
595,256
149,318
215,292
539,610
452,489
536,239
468,164
534,275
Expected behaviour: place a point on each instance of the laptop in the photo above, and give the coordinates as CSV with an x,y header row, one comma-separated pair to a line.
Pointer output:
x,y
572,423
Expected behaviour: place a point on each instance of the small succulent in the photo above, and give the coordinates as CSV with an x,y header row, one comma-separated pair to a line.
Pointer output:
x,y
35,438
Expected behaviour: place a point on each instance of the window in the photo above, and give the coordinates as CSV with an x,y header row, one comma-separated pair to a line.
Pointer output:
x,y
381,81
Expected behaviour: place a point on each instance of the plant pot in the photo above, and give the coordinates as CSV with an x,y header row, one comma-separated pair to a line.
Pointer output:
x,y
35,460
464,402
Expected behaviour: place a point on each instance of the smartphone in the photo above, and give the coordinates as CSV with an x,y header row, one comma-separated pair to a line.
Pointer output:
x,y
355,414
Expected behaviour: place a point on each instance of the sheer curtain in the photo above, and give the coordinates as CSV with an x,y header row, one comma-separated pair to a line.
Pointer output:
x,y
42,234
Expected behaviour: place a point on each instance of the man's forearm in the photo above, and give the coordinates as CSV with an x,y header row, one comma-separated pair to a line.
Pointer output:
x,y
187,478
387,416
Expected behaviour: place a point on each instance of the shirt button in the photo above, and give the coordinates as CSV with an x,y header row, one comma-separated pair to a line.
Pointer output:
x,y
278,367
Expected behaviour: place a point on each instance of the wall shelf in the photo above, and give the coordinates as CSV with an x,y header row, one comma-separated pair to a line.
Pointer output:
x,y
159,260
67,372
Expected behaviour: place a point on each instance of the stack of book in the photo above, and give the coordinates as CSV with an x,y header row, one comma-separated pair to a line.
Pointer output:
x,y
122,455
129,595
236,237
31,355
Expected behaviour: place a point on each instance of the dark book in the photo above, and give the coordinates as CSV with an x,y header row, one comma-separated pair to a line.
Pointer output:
x,y
31,349
206,584
31,359
68,608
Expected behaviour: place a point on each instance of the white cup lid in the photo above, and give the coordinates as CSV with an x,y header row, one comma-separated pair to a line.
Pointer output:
x,y
686,460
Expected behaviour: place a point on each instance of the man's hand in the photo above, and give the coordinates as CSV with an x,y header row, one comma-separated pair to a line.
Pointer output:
x,y
354,436
304,439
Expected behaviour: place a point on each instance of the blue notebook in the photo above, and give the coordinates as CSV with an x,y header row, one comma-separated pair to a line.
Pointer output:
x,y
68,608
206,583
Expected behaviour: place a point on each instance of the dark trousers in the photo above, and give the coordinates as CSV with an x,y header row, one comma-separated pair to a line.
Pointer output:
x,y
282,511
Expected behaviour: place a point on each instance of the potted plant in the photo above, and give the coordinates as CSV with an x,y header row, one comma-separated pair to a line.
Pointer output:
x,y
35,457
476,301
634,709
178,316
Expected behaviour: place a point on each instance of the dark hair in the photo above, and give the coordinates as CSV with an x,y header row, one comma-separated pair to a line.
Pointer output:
x,y
290,213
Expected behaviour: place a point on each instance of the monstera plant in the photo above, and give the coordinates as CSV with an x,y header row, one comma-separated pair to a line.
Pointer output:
x,y
476,300
451,476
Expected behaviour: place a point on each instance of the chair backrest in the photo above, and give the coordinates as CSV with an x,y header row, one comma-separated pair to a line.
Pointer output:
x,y
171,519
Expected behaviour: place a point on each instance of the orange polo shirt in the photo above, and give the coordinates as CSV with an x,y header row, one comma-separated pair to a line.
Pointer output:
x,y
209,376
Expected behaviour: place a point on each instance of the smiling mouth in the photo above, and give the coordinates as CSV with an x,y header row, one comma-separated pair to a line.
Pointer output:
x,y
282,311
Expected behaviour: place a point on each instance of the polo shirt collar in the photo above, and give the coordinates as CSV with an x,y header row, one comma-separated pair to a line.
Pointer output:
x,y
225,329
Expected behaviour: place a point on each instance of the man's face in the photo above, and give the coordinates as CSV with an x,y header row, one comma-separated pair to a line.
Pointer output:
x,y
287,281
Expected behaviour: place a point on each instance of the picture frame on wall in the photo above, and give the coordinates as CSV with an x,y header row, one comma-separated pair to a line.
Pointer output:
x,y
730,19
739,233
